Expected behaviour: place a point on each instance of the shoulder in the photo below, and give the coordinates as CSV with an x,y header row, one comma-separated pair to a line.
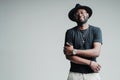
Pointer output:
x,y
95,28
71,30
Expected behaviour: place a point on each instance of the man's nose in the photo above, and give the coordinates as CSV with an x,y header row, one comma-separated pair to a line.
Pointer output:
x,y
80,15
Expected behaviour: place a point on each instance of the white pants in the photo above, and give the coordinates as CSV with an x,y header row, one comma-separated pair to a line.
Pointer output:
x,y
81,76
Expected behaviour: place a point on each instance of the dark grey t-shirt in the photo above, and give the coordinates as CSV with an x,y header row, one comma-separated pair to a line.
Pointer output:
x,y
73,36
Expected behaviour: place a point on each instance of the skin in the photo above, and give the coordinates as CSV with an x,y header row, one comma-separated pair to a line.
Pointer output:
x,y
81,19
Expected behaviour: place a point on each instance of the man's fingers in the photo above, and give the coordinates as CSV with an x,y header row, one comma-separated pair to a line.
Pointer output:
x,y
68,44
97,69
99,65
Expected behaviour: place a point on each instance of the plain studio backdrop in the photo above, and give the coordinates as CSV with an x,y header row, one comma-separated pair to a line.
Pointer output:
x,y
32,37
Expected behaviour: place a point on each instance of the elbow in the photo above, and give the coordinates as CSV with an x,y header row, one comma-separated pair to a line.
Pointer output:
x,y
97,53
67,57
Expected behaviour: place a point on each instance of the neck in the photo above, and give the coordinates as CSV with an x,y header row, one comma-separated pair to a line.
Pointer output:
x,y
83,26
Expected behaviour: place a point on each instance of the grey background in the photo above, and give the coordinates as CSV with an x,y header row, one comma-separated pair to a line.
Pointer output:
x,y
32,37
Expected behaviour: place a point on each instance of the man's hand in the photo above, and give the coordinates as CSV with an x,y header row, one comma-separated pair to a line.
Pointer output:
x,y
95,66
68,49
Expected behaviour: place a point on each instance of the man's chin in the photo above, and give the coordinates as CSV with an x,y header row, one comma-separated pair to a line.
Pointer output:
x,y
81,22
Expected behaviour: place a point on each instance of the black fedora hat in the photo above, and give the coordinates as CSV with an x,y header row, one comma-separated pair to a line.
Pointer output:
x,y
78,6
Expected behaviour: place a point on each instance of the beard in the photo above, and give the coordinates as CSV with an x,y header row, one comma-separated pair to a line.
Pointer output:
x,y
81,22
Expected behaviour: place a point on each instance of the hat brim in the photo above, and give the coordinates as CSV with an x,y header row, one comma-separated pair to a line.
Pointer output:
x,y
73,11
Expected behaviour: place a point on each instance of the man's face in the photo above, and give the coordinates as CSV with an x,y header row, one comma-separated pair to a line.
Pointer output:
x,y
81,16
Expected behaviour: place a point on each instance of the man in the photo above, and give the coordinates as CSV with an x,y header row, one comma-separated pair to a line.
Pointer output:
x,y
82,45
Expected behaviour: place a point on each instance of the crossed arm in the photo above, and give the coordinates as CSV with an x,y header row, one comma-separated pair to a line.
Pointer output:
x,y
78,60
94,52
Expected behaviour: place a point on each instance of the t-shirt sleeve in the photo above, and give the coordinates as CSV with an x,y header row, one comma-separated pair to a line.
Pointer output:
x,y
98,35
68,37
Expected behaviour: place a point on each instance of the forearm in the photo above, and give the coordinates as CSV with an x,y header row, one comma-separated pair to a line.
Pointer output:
x,y
88,53
78,60
94,52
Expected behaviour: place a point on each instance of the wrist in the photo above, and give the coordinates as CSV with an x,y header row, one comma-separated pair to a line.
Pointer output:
x,y
90,63
74,52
